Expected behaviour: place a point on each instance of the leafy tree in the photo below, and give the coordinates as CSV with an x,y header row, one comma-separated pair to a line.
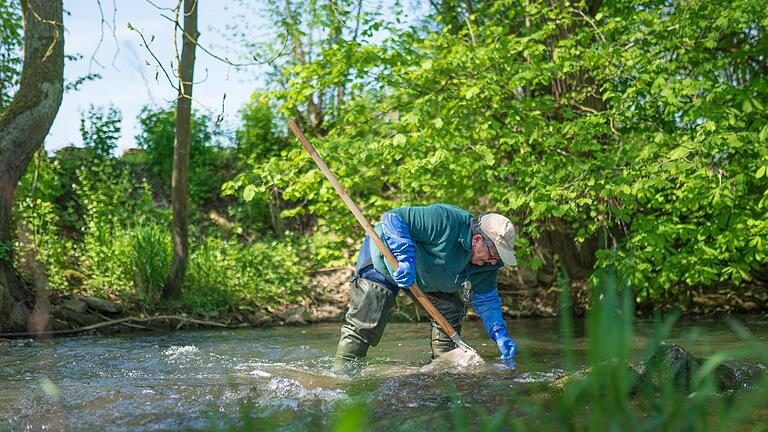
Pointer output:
x,y
325,62
100,130
10,49
23,126
206,156
257,138
630,134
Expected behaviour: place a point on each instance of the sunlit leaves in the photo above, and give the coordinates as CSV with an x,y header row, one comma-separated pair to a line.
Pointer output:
x,y
645,122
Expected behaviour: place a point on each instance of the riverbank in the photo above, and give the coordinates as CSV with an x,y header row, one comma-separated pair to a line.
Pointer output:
x,y
82,313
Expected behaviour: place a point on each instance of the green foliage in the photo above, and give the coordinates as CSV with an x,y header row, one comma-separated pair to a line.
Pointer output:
x,y
228,276
104,263
642,124
39,221
74,210
111,202
11,42
609,392
149,260
206,158
257,138
100,130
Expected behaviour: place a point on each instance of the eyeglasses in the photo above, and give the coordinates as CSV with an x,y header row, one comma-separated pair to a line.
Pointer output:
x,y
491,255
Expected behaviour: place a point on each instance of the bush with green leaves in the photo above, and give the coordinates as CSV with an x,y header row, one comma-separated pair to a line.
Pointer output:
x,y
149,261
38,227
225,275
638,126
207,156
111,202
76,207
100,129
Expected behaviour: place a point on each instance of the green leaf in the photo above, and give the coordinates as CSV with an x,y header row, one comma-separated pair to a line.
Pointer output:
x,y
249,193
399,139
746,106
760,171
757,104
488,157
764,134
678,152
472,92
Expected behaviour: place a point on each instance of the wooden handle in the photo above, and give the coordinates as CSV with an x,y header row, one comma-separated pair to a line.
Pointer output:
x,y
415,290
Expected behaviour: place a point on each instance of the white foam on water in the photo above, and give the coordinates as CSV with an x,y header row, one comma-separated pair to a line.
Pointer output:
x,y
536,377
260,374
290,393
180,351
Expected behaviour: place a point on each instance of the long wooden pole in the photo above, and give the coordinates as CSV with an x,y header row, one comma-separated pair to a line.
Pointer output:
x,y
415,290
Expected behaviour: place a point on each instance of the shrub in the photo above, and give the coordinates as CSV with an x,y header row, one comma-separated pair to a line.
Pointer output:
x,y
105,260
207,284
149,259
225,274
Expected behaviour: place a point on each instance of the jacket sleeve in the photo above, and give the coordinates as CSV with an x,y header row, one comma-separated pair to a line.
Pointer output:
x,y
398,237
488,306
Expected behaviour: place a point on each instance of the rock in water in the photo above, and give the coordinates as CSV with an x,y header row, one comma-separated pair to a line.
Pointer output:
x,y
671,364
455,359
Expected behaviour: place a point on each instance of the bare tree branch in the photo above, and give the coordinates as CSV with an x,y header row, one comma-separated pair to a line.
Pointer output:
x,y
183,320
111,27
157,60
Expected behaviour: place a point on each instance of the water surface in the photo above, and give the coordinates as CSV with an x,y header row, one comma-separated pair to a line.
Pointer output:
x,y
282,378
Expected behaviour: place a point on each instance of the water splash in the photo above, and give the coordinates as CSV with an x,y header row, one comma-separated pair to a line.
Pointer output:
x,y
180,351
290,393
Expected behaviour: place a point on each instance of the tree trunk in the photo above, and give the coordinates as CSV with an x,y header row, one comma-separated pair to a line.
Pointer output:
x,y
23,128
180,187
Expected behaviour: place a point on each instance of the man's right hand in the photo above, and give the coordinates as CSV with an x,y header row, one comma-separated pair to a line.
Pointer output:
x,y
506,345
405,275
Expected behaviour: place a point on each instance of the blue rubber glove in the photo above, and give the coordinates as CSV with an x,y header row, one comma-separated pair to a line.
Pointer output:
x,y
506,345
405,275
488,306
401,244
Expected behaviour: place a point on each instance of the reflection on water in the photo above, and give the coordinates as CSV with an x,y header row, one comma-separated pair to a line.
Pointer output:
x,y
182,380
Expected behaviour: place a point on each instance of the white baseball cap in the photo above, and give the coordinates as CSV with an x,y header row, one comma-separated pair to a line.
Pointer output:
x,y
502,233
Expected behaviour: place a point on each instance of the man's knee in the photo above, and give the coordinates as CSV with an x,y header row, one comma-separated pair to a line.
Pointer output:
x,y
366,319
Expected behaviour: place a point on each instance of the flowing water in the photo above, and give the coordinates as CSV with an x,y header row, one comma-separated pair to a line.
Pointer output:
x,y
280,378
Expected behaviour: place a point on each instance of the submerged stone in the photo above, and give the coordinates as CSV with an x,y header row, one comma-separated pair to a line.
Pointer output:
x,y
672,365
455,360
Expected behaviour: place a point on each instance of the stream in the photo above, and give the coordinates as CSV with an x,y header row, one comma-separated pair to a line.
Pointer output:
x,y
281,377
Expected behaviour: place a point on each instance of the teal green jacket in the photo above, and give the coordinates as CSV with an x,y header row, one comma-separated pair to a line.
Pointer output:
x,y
443,250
